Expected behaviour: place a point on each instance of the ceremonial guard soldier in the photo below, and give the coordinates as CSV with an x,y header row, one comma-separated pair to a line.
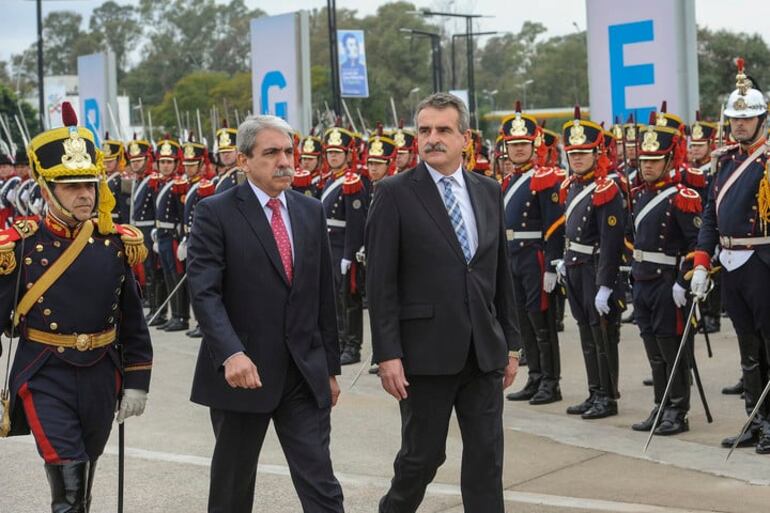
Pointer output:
x,y
344,199
502,165
141,161
666,218
23,195
534,221
190,189
228,175
8,191
595,218
406,141
736,218
115,164
308,173
69,293
167,233
692,177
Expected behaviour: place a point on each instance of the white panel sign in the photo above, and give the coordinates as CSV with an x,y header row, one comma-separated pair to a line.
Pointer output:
x,y
280,68
640,54
97,87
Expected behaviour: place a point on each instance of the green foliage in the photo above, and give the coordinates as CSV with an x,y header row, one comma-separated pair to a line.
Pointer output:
x,y
9,108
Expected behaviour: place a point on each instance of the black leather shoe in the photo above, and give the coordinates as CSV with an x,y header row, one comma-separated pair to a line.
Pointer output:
x,y
374,369
673,426
736,389
602,408
176,325
195,332
546,394
647,382
749,439
646,424
159,320
579,409
526,393
351,354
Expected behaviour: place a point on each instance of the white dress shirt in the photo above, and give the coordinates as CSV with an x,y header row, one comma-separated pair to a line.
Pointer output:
x,y
460,191
263,198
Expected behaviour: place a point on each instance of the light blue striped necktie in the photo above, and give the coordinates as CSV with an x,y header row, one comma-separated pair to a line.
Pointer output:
x,y
453,209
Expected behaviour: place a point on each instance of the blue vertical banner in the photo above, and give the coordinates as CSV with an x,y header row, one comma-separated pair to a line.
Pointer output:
x,y
97,88
640,54
354,80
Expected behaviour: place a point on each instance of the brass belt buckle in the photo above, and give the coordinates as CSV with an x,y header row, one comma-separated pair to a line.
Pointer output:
x,y
83,342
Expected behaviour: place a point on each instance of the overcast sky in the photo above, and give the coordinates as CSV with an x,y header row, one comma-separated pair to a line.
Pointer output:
x,y
18,29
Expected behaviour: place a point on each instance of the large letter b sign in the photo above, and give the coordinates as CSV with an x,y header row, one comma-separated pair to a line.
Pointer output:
x,y
273,79
622,76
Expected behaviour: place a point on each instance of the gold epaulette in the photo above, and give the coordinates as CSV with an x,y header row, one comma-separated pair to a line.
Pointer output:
x,y
133,243
8,237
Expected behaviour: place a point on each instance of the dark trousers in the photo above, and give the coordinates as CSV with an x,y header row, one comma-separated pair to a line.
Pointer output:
x,y
477,399
70,409
303,430
599,337
350,304
180,303
746,301
534,316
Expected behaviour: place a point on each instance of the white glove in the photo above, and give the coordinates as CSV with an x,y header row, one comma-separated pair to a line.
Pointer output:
x,y
345,266
154,235
680,295
181,250
700,282
132,404
549,282
602,300
561,271
155,247
361,255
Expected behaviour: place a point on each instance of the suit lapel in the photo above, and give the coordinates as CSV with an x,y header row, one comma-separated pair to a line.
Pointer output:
x,y
252,211
429,195
479,208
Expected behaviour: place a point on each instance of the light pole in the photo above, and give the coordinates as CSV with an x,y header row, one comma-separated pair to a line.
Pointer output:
x,y
331,10
455,36
575,74
469,55
435,44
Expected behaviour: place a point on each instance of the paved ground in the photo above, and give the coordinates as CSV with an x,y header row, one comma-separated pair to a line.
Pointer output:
x,y
554,463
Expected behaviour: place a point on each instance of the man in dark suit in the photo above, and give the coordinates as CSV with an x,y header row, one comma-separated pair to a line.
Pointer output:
x,y
261,280
441,310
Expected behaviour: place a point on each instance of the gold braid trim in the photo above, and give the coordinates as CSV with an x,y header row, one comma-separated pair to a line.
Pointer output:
x,y
133,242
763,199
8,250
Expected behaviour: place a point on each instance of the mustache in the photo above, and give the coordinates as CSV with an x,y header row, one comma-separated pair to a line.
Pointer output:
x,y
282,172
429,148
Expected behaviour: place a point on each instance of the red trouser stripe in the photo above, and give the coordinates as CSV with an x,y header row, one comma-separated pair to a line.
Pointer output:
x,y
49,453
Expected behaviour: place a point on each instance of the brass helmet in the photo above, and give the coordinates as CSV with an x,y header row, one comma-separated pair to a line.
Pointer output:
x,y
68,154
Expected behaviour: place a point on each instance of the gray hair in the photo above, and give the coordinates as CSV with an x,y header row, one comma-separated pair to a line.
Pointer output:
x,y
253,125
442,101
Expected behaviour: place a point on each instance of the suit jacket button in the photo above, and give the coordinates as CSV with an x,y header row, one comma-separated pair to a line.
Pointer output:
x,y
470,269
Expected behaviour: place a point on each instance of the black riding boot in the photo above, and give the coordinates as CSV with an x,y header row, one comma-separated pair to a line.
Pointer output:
x,y
590,359
68,486
548,347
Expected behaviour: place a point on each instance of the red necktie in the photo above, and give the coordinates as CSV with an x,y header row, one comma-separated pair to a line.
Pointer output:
x,y
281,237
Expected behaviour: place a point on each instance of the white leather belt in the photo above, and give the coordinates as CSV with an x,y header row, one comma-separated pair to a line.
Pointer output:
x,y
581,248
335,223
654,257
165,225
512,235
140,224
731,242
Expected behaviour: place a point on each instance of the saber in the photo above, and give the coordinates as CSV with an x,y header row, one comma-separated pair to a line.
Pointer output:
x,y
165,303
5,394
23,119
200,129
141,114
395,114
699,384
178,118
672,374
361,119
350,118
149,126
360,371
